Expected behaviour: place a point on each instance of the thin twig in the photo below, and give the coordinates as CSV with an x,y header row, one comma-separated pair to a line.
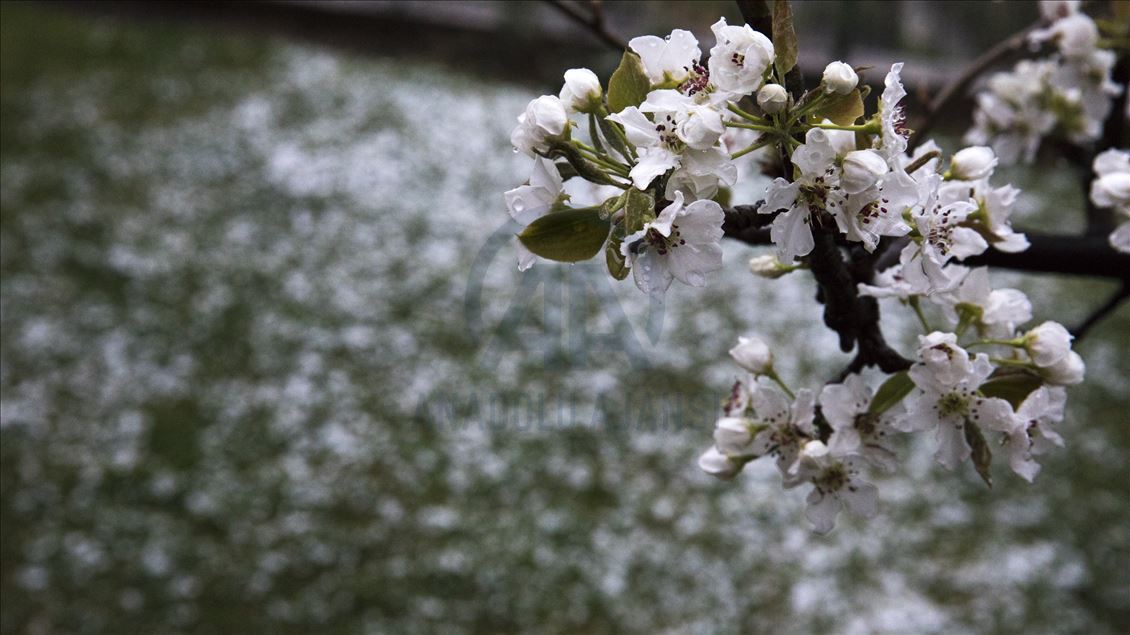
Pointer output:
x,y
593,21
956,89
1098,314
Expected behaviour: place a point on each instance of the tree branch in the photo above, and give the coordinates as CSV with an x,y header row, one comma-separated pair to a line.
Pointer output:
x,y
1098,314
594,22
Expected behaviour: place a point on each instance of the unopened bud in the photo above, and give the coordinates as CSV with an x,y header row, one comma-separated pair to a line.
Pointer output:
x,y
839,78
753,354
581,91
772,98
973,163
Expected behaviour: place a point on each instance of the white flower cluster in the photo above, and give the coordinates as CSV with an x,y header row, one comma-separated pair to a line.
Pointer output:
x,y
1111,189
1069,92
663,141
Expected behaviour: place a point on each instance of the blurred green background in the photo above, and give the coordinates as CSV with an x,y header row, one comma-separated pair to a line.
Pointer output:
x,y
267,366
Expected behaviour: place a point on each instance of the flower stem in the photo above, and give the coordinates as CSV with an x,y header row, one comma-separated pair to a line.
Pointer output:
x,y
750,126
745,115
772,374
758,145
914,304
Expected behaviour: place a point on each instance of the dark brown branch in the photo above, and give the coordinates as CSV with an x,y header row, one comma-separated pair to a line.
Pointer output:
x,y
1098,314
593,21
957,88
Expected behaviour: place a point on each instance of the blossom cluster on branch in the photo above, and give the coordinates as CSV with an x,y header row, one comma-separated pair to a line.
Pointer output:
x,y
664,138
1067,94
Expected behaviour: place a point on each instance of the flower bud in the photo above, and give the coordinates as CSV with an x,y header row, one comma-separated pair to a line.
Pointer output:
x,y
772,98
581,91
1111,190
862,169
753,354
973,163
1048,343
769,266
839,78
545,117
701,128
732,435
1066,371
719,465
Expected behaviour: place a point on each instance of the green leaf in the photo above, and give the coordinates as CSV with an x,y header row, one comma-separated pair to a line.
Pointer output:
x,y
566,170
567,236
784,36
890,393
629,83
982,455
1011,384
617,263
842,110
639,209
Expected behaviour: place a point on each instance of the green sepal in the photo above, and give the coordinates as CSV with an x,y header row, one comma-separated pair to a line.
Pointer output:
x,y
629,83
1011,384
890,393
567,236
982,455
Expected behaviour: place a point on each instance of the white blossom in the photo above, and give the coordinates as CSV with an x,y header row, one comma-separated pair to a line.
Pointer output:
x,y
815,188
669,59
739,59
769,266
772,98
1048,343
581,91
1032,433
753,354
973,163
996,312
787,427
1066,372
836,485
947,400
854,429
892,117
681,243
545,117
876,211
839,78
1075,35
719,465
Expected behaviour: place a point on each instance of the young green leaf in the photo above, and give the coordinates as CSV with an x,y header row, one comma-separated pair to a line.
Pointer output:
x,y
784,36
1011,384
842,110
890,393
982,455
566,236
617,263
629,83
639,209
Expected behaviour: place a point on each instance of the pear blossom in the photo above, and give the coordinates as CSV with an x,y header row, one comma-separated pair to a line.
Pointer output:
x,y
1055,9
527,203
719,465
940,226
544,118
948,400
582,91
668,60
836,485
739,59
681,243
1033,433
786,427
855,430
753,354
1048,343
772,98
678,128
769,266
876,211
1068,371
892,116
815,188
1075,35
1111,188
973,163
996,312
839,78
732,435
